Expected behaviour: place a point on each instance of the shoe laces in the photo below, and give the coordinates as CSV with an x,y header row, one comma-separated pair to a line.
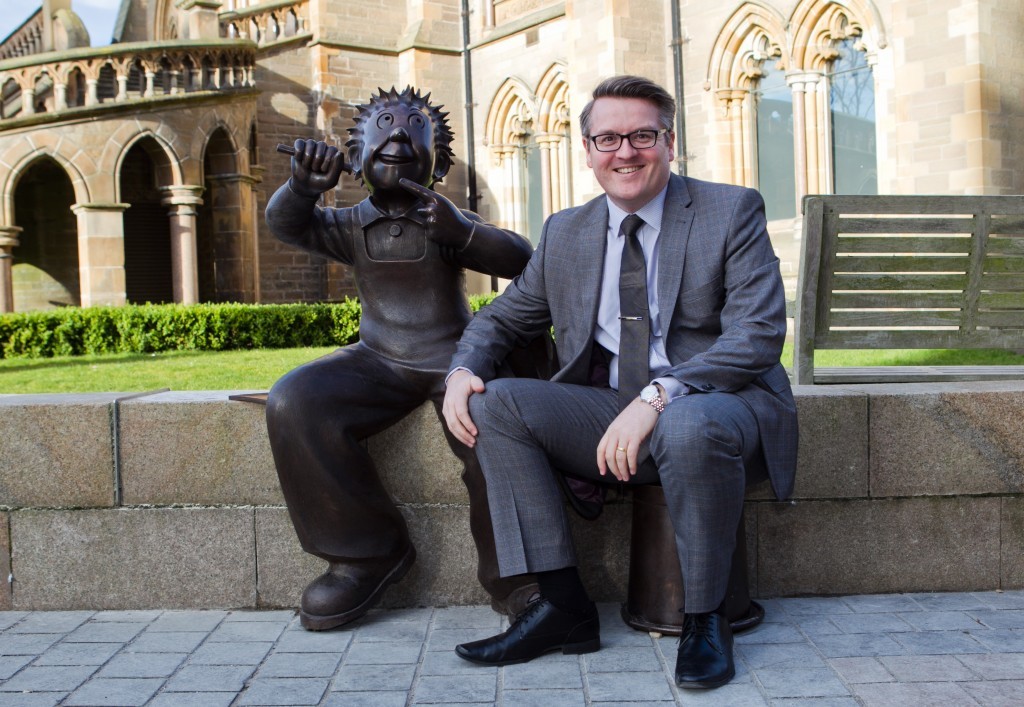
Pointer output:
x,y
699,626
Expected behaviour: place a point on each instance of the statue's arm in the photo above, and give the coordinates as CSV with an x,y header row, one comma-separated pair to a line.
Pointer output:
x,y
492,250
296,219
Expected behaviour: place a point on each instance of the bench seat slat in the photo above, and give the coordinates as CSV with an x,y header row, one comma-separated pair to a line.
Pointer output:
x,y
919,374
903,300
888,224
911,339
907,263
901,244
886,281
892,319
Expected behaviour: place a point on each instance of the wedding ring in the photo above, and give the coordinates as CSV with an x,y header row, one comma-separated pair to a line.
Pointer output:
x,y
621,449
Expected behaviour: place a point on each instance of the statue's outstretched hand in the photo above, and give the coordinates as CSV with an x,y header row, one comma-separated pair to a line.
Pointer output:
x,y
446,224
316,167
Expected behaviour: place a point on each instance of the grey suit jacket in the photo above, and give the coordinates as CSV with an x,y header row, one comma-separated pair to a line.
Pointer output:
x,y
719,291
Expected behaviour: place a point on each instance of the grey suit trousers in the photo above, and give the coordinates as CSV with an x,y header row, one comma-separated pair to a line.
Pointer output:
x,y
705,450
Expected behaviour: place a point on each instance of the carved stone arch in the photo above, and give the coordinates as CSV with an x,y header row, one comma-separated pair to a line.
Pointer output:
x,y
818,25
167,163
553,131
22,163
511,115
553,99
753,34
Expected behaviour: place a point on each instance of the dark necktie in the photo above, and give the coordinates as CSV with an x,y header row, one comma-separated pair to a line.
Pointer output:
x,y
634,318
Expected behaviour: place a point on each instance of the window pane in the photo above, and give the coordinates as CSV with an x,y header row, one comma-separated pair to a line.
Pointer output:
x,y
776,171
852,100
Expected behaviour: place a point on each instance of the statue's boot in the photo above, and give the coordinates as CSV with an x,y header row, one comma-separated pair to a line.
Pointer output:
x,y
347,590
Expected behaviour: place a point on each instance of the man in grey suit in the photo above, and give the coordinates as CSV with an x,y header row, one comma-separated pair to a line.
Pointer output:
x,y
715,412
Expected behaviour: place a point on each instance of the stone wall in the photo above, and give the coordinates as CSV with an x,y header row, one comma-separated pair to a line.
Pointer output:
x,y
171,500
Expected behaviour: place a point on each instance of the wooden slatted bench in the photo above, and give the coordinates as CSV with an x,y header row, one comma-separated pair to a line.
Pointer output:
x,y
910,272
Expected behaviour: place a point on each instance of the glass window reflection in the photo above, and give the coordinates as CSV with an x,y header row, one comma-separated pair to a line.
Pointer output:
x,y
852,102
776,170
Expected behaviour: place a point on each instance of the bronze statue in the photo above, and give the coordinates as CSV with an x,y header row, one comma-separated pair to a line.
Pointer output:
x,y
408,247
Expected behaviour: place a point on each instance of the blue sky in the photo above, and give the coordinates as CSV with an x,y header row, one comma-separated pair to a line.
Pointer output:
x,y
98,16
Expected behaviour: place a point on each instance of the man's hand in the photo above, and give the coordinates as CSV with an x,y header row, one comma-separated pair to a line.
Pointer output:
x,y
446,224
461,385
316,167
617,450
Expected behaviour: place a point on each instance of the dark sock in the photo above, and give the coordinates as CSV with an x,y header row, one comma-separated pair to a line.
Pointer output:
x,y
564,589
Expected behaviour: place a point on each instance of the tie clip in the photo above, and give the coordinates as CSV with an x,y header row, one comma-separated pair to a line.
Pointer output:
x,y
633,319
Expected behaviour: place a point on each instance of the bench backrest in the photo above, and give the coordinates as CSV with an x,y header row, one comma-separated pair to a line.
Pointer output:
x,y
906,272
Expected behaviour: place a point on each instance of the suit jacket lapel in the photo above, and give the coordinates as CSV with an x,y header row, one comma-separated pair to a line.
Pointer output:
x,y
675,232
586,280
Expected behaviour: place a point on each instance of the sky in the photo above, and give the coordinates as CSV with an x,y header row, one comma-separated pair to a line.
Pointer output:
x,y
98,16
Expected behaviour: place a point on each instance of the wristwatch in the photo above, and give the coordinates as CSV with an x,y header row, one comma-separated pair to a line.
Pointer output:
x,y
652,396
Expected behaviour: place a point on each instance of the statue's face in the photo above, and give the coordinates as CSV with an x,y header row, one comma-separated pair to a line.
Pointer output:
x,y
398,141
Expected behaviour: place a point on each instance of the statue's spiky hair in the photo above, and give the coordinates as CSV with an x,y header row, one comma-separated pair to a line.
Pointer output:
x,y
443,135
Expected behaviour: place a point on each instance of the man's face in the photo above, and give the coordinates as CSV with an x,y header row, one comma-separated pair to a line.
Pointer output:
x,y
398,141
630,177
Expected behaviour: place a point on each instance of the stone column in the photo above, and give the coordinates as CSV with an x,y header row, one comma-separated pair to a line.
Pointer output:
x,y
101,253
183,201
8,242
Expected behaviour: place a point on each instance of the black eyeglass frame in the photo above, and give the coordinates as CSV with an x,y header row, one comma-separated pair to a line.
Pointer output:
x,y
629,137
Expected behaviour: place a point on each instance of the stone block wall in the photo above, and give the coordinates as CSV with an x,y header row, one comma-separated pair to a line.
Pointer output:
x,y
171,500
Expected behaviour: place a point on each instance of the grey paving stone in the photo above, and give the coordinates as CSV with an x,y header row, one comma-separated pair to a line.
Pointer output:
x,y
550,674
188,621
410,614
51,622
999,693
871,623
209,678
382,653
949,601
9,665
780,656
105,632
813,626
881,603
857,644
939,642
27,644
244,631
449,663
481,617
142,665
128,616
930,620
302,641
628,687
1000,640
816,702
915,693
78,654
366,699
50,678
731,695
1006,618
626,660
1002,600
771,633
167,642
38,699
445,639
391,632
276,615
810,606
995,666
374,678
284,691
858,670
118,692
9,618
230,653
193,699
543,697
452,689
299,665
811,682
926,668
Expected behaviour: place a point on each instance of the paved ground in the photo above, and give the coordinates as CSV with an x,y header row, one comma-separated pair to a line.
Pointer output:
x,y
909,649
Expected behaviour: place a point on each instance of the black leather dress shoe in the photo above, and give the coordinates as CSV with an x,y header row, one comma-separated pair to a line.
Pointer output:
x,y
540,629
705,652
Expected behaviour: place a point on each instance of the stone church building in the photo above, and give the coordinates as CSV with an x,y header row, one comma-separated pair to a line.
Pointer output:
x,y
139,171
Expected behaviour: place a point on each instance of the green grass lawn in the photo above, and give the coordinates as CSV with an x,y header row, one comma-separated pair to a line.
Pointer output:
x,y
257,370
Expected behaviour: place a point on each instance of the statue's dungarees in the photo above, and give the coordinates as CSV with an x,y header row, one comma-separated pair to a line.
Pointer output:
x,y
414,308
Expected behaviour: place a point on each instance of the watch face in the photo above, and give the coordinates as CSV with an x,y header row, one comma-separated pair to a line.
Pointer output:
x,y
649,393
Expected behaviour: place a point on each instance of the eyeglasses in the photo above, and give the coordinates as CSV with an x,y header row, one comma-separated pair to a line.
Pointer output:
x,y
639,139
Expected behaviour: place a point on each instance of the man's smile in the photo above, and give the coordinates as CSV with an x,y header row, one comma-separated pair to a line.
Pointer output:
x,y
628,170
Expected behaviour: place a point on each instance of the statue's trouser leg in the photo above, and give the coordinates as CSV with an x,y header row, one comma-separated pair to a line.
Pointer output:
x,y
503,590
316,416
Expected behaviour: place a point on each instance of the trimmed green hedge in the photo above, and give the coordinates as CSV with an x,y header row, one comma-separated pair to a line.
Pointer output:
x,y
74,331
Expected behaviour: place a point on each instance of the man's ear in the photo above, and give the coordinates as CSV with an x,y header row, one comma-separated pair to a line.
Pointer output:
x,y
442,163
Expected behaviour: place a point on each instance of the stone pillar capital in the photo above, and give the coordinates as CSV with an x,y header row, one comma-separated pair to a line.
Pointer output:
x,y
804,80
9,239
79,209
182,194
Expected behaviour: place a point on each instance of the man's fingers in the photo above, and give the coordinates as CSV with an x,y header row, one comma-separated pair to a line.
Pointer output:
x,y
427,196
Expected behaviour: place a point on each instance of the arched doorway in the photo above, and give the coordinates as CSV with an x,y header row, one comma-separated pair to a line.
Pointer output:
x,y
45,263
147,232
224,252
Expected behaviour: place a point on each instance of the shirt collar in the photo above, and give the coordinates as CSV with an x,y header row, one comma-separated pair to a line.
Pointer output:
x,y
651,212
368,214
